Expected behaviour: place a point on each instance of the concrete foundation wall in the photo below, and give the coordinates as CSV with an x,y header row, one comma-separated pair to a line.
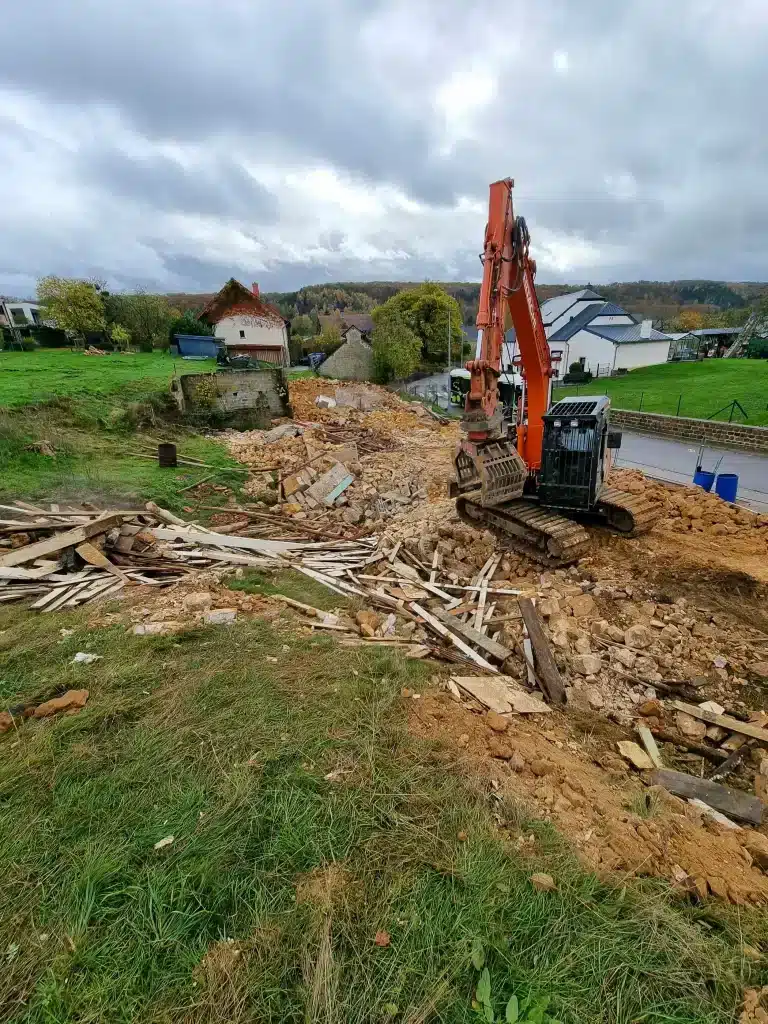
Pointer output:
x,y
680,428
353,361
243,398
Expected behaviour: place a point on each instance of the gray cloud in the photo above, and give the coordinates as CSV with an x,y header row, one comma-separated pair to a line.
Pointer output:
x,y
177,141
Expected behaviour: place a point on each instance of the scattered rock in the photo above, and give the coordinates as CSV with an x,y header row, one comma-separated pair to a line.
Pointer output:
x,y
582,605
759,669
197,601
325,402
595,698
368,622
540,767
221,616
382,938
6,722
624,656
543,882
72,700
757,845
500,747
548,606
85,658
691,727
638,636
651,709
162,843
635,755
496,721
587,664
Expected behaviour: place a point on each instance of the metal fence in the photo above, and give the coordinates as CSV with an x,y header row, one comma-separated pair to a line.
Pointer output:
x,y
664,405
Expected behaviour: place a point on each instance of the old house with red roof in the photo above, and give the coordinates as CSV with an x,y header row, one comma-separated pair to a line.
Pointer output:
x,y
247,324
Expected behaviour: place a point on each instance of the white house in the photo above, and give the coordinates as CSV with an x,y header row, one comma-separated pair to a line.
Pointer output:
x,y
582,327
247,324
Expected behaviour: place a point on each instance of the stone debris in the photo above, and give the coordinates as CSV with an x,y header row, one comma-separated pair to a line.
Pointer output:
x,y
69,702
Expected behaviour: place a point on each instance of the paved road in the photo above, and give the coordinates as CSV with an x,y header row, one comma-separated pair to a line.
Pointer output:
x,y
676,461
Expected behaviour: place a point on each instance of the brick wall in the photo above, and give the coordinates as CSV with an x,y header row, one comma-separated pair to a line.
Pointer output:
x,y
680,428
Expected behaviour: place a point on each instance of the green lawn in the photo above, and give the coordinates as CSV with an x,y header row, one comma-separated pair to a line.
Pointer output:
x,y
305,820
88,410
701,388
38,376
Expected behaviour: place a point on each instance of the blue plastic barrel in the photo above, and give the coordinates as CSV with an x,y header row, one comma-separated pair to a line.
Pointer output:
x,y
703,478
727,486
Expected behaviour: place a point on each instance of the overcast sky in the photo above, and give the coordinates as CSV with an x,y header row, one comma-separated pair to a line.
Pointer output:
x,y
171,144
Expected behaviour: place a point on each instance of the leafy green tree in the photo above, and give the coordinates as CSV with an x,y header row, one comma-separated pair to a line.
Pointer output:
x,y
396,349
330,340
427,311
187,323
75,305
147,317
121,337
302,326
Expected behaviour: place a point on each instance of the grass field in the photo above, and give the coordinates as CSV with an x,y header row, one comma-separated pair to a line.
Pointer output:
x,y
305,820
39,376
705,388
84,407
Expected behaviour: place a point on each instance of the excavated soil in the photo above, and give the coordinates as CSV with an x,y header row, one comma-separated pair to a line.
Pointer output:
x,y
564,771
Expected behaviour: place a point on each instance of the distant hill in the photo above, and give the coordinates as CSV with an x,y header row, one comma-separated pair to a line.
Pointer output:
x,y
661,301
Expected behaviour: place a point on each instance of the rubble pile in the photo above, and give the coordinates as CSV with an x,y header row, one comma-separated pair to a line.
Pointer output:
x,y
691,509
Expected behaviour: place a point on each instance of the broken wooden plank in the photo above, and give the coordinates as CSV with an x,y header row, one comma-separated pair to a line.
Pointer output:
x,y
732,802
481,605
501,694
724,721
437,625
732,761
702,749
274,548
91,554
649,743
60,598
435,564
471,635
17,573
546,670
68,539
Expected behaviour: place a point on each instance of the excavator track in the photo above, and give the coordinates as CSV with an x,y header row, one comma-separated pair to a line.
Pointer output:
x,y
537,532
629,514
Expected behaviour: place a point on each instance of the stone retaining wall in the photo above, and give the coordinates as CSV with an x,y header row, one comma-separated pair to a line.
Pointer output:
x,y
680,428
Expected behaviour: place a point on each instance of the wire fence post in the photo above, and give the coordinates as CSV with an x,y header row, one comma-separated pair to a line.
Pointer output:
x,y
679,400
640,407
730,414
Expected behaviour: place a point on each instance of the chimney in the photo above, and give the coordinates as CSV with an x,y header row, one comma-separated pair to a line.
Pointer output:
x,y
255,289
645,328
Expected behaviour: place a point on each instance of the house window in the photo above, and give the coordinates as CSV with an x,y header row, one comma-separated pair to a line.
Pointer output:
x,y
19,317
242,334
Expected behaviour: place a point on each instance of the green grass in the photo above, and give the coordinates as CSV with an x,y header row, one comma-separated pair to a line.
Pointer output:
x,y
39,376
705,388
87,408
289,583
199,736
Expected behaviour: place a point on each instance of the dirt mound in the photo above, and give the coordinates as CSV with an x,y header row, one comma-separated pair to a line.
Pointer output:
x,y
566,771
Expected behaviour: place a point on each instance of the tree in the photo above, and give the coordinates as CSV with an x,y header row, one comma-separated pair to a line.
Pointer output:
x,y
689,320
147,317
427,311
330,340
396,349
187,323
302,326
76,306
121,337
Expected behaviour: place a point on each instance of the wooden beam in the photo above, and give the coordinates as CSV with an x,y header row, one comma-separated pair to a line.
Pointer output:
x,y
472,635
438,627
732,802
649,743
724,721
68,539
546,669
731,762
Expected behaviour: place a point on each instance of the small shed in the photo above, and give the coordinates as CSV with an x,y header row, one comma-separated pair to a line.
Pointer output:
x,y
352,361
194,346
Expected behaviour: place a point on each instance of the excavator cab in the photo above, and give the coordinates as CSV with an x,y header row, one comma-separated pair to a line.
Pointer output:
x,y
575,452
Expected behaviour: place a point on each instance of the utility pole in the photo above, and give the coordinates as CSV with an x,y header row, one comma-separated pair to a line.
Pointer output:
x,y
449,340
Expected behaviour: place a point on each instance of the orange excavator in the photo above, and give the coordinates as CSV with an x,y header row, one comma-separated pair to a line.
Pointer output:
x,y
533,478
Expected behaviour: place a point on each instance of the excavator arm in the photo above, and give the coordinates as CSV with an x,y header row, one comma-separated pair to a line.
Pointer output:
x,y
507,294
487,457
